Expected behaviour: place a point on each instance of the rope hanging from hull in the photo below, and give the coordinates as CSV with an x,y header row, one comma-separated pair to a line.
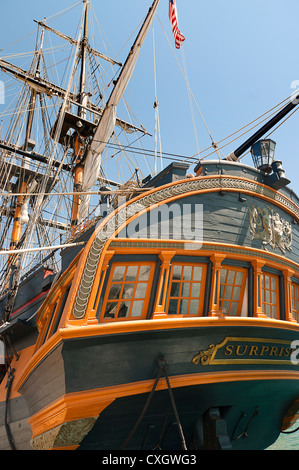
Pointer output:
x,y
6,424
162,368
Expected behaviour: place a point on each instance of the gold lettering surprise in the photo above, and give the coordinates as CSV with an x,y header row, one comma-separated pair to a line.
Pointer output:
x,y
246,351
257,351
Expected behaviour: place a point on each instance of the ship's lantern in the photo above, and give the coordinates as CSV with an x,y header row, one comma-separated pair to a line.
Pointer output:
x,y
263,154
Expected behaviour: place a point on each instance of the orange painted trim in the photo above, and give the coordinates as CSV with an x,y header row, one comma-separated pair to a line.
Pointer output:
x,y
99,280
258,264
264,289
214,309
294,297
78,180
191,282
236,269
159,305
16,228
17,225
253,255
277,261
25,356
63,281
70,407
287,277
146,299
72,332
91,403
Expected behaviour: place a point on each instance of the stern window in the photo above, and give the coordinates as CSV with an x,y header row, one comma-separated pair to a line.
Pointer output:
x,y
232,289
128,291
270,295
295,301
186,289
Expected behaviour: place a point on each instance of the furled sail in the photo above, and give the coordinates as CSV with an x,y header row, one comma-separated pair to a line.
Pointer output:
x,y
106,125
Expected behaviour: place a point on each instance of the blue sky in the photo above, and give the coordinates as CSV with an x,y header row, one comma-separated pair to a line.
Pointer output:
x,y
240,56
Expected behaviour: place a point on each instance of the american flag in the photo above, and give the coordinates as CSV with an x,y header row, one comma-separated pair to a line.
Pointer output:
x,y
173,16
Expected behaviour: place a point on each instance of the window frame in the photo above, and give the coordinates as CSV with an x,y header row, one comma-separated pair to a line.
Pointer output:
x,y
242,287
295,311
202,282
146,299
263,295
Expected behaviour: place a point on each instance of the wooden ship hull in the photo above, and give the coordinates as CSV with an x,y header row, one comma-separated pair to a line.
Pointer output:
x,y
164,334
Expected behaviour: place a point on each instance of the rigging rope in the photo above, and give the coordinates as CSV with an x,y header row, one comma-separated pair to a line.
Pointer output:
x,y
62,12
214,144
275,129
41,248
156,108
189,98
244,127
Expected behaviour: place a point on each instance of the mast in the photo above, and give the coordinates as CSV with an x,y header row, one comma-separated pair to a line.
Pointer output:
x,y
82,99
79,142
105,128
32,102
50,89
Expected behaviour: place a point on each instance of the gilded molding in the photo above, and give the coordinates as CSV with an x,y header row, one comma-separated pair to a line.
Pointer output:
x,y
204,357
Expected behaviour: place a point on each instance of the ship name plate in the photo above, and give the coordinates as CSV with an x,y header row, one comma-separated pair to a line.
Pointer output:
x,y
235,350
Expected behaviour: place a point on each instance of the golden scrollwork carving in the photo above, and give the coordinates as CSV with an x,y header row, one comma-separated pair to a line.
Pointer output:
x,y
204,357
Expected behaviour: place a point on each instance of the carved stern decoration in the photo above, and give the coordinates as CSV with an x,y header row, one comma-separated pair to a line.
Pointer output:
x,y
269,227
204,357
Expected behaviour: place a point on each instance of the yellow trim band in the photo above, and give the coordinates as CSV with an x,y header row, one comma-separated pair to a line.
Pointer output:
x,y
91,403
147,325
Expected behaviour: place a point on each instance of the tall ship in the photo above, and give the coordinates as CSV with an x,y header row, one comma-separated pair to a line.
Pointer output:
x,y
161,313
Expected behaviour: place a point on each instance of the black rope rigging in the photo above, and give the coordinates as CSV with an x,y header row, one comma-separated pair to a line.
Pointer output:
x,y
162,368
6,424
